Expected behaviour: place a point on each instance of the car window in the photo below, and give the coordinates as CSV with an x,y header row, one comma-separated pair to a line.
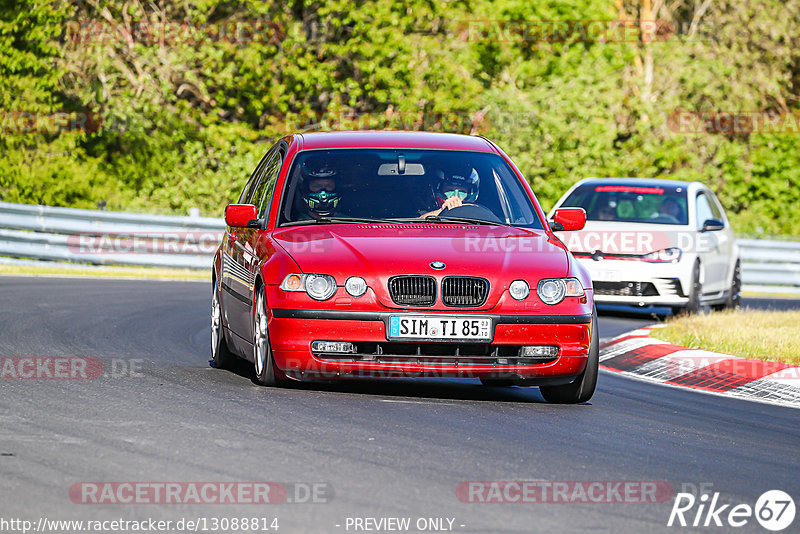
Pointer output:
x,y
704,210
609,201
404,184
247,192
266,185
716,209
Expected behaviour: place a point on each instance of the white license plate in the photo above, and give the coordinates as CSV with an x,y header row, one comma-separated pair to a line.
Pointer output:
x,y
605,276
440,327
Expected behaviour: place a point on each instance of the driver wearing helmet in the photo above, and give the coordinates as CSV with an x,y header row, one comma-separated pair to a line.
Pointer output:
x,y
318,189
455,187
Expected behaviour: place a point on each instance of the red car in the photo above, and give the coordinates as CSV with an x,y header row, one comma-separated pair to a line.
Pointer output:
x,y
401,254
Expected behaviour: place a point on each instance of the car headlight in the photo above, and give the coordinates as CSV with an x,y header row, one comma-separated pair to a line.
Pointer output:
x,y
355,286
554,290
668,255
320,286
317,286
519,289
293,282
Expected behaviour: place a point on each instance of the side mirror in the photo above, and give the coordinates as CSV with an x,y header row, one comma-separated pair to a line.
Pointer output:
x,y
712,225
568,219
241,216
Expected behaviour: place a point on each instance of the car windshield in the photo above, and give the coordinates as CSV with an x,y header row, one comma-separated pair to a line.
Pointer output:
x,y
325,186
630,203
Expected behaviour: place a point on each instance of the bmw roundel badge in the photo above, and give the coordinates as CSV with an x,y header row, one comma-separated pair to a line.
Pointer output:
x,y
438,265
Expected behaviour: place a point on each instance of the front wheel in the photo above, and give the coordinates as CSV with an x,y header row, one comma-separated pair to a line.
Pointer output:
x,y
734,299
582,389
262,351
221,355
693,306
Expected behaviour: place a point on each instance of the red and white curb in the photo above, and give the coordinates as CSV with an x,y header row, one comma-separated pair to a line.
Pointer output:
x,y
637,354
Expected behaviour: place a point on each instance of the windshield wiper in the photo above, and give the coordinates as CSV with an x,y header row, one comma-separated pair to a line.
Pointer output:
x,y
445,220
337,220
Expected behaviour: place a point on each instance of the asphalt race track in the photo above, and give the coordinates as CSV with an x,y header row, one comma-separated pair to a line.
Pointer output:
x,y
381,449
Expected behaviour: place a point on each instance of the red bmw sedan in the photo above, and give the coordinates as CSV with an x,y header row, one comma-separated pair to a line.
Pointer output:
x,y
401,254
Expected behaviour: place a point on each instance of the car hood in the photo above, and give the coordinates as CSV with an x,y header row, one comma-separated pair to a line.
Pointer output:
x,y
379,251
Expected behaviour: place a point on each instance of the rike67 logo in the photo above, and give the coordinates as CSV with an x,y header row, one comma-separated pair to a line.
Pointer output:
x,y
774,510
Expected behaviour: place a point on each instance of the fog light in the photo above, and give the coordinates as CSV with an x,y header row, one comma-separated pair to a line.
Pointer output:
x,y
519,289
539,351
332,346
355,286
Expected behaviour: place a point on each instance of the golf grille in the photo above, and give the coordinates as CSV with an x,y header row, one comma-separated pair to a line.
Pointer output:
x,y
626,289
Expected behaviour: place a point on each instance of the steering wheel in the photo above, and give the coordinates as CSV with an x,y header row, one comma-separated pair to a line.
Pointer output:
x,y
664,218
471,211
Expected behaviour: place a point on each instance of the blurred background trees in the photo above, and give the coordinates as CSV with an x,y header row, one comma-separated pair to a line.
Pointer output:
x,y
177,100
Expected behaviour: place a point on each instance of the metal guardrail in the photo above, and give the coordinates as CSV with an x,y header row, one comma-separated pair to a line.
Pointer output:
x,y
107,238
115,238
770,266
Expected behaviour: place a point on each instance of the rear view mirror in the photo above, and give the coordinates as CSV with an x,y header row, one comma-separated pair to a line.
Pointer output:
x,y
240,215
712,225
568,219
392,169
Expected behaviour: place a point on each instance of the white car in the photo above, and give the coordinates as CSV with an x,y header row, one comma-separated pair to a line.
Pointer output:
x,y
651,242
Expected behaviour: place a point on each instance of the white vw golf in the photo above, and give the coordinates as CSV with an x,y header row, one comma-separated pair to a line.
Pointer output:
x,y
655,242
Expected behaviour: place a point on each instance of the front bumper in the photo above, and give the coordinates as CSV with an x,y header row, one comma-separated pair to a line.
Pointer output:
x,y
293,330
639,283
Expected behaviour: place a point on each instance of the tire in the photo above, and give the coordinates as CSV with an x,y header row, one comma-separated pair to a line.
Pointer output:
x,y
693,306
582,389
734,299
221,355
266,373
497,382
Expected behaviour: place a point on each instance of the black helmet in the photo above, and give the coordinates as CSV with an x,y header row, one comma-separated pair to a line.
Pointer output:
x,y
465,177
322,202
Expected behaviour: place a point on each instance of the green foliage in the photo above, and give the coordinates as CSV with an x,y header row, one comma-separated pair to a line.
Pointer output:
x,y
184,115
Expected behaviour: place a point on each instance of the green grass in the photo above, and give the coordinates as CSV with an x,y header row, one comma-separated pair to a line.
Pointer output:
x,y
763,335
155,273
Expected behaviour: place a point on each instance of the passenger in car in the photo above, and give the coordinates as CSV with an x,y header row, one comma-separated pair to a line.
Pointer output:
x,y
455,188
670,209
606,213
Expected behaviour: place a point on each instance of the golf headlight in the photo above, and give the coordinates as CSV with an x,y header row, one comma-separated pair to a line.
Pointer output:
x,y
668,255
355,286
317,286
519,289
553,290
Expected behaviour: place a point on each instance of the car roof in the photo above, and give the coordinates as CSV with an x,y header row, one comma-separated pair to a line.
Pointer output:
x,y
394,139
655,182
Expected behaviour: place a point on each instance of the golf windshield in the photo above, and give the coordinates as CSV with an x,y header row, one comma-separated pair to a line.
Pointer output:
x,y
630,202
404,185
